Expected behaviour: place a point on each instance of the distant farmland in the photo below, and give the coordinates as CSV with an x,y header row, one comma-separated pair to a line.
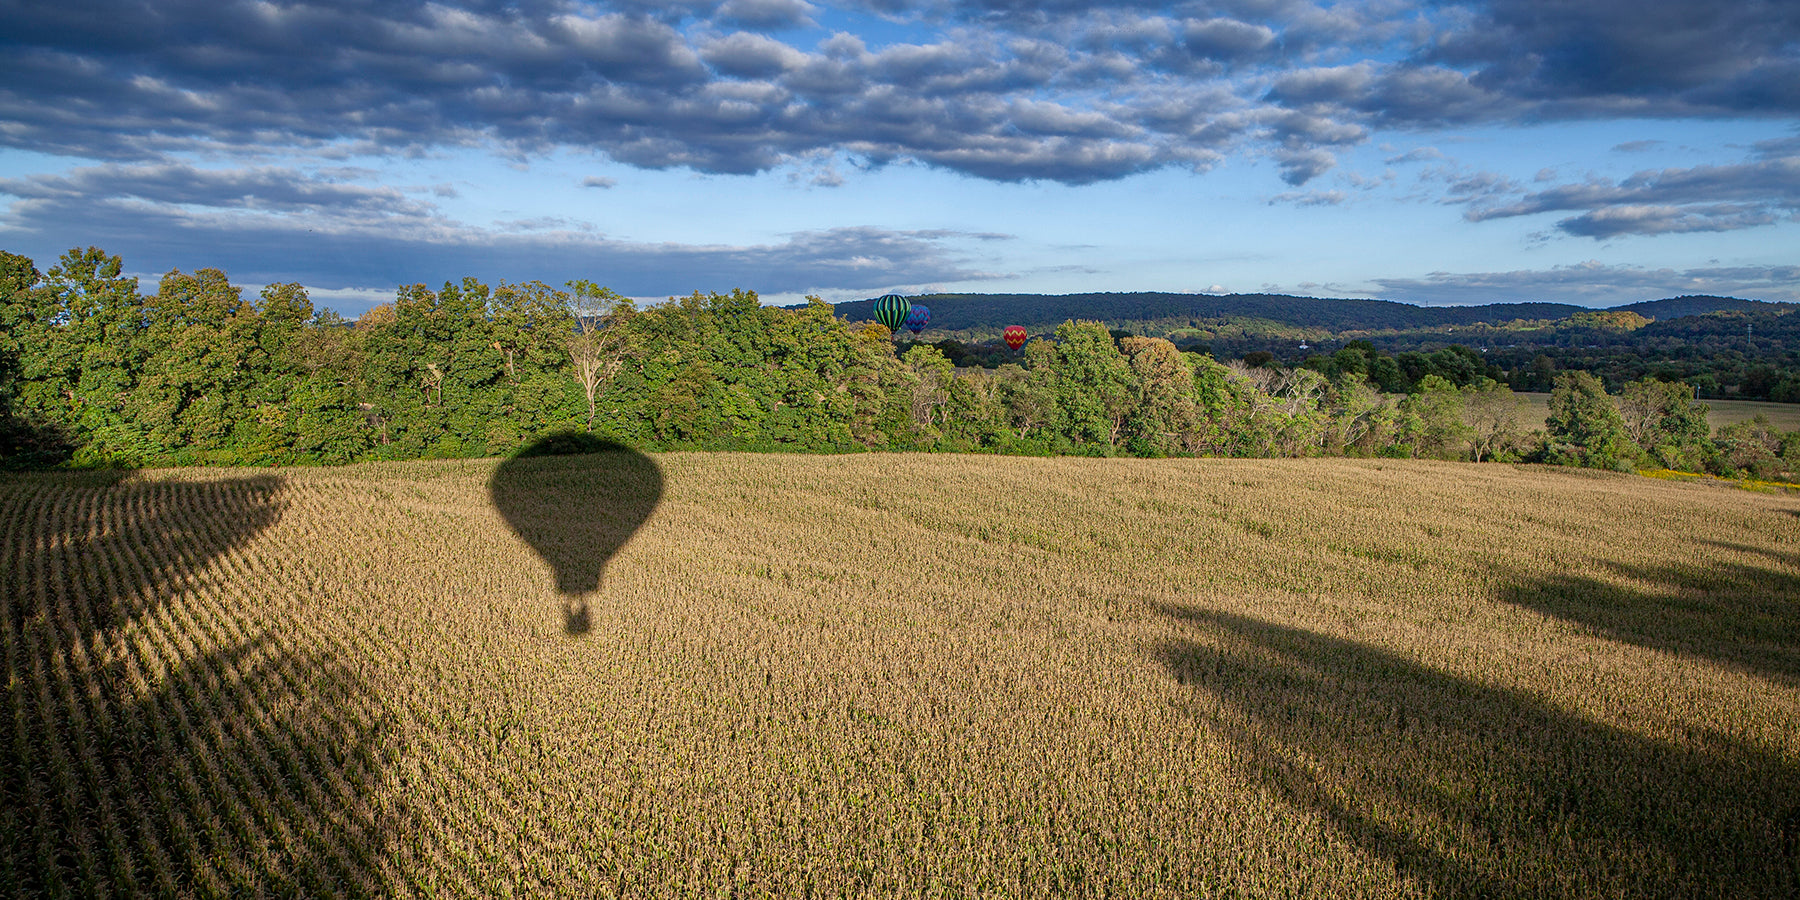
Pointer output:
x,y
1785,416
898,674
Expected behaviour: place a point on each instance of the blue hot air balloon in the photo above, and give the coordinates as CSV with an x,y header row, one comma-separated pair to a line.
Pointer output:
x,y
917,318
891,311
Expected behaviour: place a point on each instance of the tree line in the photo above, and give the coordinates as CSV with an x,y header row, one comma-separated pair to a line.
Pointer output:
x,y
96,372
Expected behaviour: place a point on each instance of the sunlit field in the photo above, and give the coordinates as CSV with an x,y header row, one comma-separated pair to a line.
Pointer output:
x,y
932,675
1785,416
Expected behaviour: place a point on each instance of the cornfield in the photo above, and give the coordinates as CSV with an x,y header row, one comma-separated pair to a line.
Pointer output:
x,y
919,675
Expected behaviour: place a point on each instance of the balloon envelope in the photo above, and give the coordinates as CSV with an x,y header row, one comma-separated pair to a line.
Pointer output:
x,y
891,311
1015,336
917,318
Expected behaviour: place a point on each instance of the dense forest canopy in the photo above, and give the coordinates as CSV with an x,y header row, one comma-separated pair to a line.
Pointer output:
x,y
95,370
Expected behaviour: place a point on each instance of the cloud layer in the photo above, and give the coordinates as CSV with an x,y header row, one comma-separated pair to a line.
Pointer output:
x,y
1067,92
1594,283
1663,201
269,225
224,123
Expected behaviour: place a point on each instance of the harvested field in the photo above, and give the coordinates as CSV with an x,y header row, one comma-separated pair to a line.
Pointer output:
x,y
1719,413
926,675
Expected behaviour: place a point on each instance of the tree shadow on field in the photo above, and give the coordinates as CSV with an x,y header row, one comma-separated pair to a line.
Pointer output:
x,y
1743,615
576,499
1477,791
161,737
95,551
26,445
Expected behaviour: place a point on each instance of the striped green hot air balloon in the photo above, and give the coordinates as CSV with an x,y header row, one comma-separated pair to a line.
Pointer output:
x,y
891,311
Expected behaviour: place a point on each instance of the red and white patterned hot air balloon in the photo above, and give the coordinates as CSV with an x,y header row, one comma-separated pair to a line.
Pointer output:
x,y
1015,336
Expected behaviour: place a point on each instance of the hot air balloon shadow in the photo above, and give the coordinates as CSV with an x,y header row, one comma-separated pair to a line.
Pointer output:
x,y
576,499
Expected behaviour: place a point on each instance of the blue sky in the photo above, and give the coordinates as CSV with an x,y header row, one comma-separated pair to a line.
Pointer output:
x,y
1596,152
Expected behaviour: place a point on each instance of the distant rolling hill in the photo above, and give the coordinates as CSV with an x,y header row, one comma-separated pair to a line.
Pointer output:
x,y
1700,305
981,316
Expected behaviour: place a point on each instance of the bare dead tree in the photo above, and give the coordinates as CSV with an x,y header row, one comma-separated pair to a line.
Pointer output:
x,y
597,347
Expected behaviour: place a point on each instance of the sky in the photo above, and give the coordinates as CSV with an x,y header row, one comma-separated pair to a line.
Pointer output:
x,y
1596,152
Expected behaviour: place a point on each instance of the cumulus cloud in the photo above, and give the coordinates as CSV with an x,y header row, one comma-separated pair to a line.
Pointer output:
x,y
1323,85
1298,166
744,55
1226,39
1610,221
766,14
1661,201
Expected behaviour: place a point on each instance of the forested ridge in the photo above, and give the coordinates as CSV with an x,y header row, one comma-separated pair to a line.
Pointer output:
x,y
1350,317
975,312
1725,347
96,371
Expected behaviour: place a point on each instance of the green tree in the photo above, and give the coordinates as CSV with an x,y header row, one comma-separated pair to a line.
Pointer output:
x,y
931,377
1585,428
1029,402
703,365
25,440
1348,360
1224,405
1164,417
1385,374
1093,385
1494,416
1432,421
202,361
1304,422
429,369
324,418
1540,376
975,418
1361,420
1757,449
282,317
1663,420
19,277
84,324
814,357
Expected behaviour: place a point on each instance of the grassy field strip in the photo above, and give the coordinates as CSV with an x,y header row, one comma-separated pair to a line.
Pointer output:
x,y
1785,416
915,674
